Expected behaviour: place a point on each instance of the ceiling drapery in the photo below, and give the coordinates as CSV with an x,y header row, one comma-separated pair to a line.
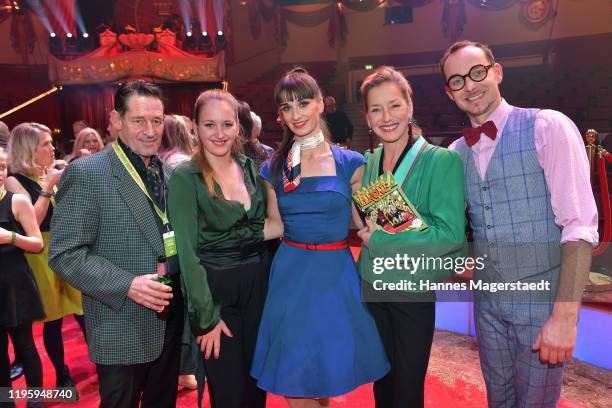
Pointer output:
x,y
333,13
453,19
453,15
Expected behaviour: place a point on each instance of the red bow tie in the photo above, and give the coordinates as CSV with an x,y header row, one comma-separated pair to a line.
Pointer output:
x,y
472,135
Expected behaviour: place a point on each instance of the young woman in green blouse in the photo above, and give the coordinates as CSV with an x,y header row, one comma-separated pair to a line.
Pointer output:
x,y
217,208
432,179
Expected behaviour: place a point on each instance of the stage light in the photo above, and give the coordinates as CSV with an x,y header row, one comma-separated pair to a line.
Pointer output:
x,y
220,41
55,44
205,43
71,41
85,42
190,42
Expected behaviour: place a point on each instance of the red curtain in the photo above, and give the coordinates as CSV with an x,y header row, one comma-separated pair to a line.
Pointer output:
x,y
93,103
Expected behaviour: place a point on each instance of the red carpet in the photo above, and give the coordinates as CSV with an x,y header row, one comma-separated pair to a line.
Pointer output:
x,y
438,393
83,372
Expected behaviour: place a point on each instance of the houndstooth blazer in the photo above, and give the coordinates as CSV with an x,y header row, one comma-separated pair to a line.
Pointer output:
x,y
103,234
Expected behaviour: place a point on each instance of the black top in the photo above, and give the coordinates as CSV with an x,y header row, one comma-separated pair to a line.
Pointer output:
x,y
381,170
340,126
19,297
8,222
34,189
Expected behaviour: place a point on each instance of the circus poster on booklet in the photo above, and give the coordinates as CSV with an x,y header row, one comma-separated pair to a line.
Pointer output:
x,y
384,202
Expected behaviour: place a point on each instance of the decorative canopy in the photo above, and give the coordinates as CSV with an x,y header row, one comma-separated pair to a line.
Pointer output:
x,y
109,64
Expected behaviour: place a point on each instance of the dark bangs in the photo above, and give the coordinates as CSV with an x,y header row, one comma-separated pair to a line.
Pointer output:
x,y
296,86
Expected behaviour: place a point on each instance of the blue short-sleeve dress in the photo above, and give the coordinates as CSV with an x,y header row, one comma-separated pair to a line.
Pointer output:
x,y
316,338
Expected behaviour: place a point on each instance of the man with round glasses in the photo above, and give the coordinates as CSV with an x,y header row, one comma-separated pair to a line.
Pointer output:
x,y
477,74
531,207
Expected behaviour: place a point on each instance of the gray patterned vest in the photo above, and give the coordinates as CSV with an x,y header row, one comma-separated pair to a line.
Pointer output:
x,y
510,210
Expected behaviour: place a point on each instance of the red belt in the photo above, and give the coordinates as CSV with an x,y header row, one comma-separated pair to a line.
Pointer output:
x,y
320,247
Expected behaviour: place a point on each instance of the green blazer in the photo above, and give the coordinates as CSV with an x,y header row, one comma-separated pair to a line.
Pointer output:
x,y
103,234
435,188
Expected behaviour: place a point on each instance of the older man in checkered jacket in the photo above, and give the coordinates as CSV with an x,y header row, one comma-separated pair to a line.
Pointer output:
x,y
107,234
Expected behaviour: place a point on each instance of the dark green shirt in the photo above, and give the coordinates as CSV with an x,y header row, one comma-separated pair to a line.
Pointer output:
x,y
201,221
151,175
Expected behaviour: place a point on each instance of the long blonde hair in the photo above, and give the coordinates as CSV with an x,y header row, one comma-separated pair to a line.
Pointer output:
x,y
3,156
22,148
208,174
80,141
176,136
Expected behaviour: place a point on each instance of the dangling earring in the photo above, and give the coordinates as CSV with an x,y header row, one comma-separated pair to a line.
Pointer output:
x,y
370,139
410,138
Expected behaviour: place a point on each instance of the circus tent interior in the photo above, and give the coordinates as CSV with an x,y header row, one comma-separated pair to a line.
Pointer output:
x,y
62,60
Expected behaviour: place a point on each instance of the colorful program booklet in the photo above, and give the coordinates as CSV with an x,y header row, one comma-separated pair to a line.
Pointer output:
x,y
384,202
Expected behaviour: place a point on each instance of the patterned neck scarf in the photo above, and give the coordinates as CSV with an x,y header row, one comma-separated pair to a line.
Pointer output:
x,y
291,170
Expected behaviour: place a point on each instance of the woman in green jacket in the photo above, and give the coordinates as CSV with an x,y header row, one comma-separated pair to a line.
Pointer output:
x,y
394,285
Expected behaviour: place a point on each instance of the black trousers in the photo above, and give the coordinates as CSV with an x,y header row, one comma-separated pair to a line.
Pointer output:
x,y
241,291
406,330
25,352
152,384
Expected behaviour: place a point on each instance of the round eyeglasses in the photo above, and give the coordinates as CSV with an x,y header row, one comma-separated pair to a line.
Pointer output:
x,y
477,74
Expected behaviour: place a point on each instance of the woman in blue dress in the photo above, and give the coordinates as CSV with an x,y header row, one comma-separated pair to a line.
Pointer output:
x,y
316,339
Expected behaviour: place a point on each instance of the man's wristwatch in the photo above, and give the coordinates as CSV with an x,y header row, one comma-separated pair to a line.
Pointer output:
x,y
46,194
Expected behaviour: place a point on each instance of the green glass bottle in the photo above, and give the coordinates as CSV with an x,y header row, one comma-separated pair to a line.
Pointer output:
x,y
162,277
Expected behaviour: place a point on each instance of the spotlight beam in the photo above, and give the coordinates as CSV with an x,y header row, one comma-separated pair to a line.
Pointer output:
x,y
78,18
219,14
28,102
201,5
39,10
185,11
